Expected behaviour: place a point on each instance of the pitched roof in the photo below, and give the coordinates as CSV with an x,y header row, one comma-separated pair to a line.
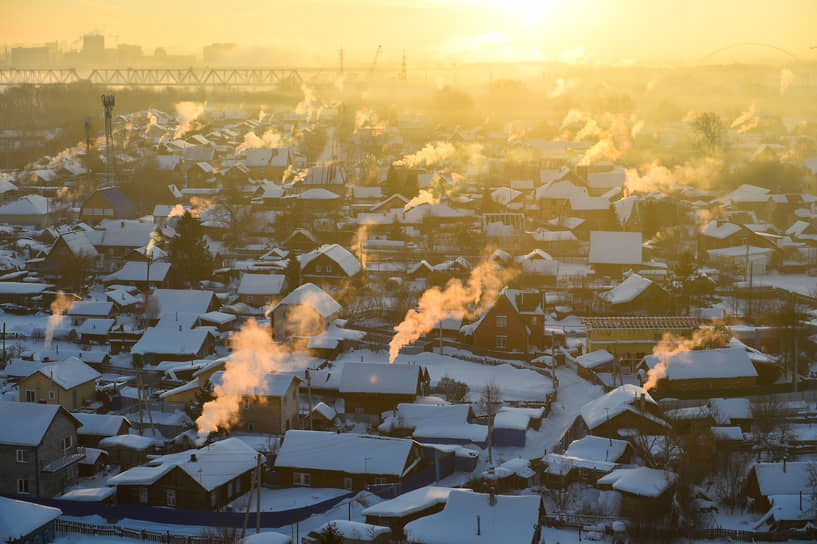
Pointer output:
x,y
339,254
261,284
171,341
100,424
121,204
345,452
611,404
706,363
397,379
612,247
27,205
642,481
25,423
628,290
312,295
20,518
69,373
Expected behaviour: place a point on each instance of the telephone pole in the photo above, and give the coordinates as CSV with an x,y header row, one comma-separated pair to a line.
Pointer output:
x,y
108,102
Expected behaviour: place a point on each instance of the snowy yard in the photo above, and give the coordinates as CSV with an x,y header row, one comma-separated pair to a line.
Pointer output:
x,y
276,500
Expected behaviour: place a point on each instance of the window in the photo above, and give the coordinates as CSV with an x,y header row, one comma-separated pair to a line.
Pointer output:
x,y
66,443
501,341
170,497
302,479
318,268
229,489
52,395
251,427
213,499
501,321
143,495
380,481
21,456
109,212
22,486
238,485
329,269
249,299
31,395
347,483
247,403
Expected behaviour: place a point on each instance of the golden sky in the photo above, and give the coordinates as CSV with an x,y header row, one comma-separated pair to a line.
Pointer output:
x,y
606,31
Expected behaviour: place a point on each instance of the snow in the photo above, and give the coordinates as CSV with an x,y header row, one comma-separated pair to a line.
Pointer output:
x,y
129,441
311,295
706,364
722,231
727,433
612,404
69,373
25,423
595,358
27,205
191,301
347,452
508,418
410,503
356,531
511,520
89,494
99,424
261,284
171,341
725,410
90,308
138,271
597,448
208,467
268,537
642,481
278,500
324,410
19,518
22,288
395,379
340,255
272,384
627,290
96,326
772,479
610,247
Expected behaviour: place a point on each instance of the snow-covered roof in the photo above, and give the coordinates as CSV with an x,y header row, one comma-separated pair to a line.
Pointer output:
x,y
138,271
726,410
128,441
608,179
344,452
510,520
595,358
206,465
271,385
100,424
509,417
311,295
79,244
69,373
561,190
324,410
261,284
641,481
727,433
782,478
627,290
192,301
121,233
356,531
395,379
25,423
612,247
27,205
611,404
589,203
705,364
89,494
20,518
22,288
410,503
171,341
339,254
597,448
720,231
91,308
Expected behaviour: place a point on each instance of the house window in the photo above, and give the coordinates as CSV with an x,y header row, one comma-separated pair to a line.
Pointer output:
x,y
31,395
501,321
251,427
318,268
22,486
347,483
380,481
247,403
329,269
52,395
249,299
213,499
66,443
109,212
501,341
238,485
21,456
302,479
229,489
170,497
143,495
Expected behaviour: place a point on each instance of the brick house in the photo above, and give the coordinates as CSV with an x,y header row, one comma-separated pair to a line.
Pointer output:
x,y
272,407
39,455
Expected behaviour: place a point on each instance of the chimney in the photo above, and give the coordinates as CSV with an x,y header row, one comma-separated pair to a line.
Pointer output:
x,y
492,496
193,458
478,529
784,465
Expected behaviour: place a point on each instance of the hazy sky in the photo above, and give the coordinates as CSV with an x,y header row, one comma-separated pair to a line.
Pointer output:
x,y
609,31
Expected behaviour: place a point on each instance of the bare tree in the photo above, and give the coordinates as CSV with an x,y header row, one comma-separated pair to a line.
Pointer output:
x,y
709,128
489,401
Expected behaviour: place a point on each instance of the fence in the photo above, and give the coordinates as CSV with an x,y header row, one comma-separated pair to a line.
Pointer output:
x,y
67,526
178,516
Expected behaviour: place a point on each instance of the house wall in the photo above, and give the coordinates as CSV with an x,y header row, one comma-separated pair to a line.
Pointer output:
x,y
636,342
323,267
39,483
69,399
271,415
516,335
96,209
627,420
708,384
189,494
335,479
374,403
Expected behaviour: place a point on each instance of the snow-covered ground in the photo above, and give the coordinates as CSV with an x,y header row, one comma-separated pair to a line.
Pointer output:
x,y
276,500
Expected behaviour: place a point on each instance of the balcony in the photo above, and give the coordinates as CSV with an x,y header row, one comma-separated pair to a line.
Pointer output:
x,y
70,456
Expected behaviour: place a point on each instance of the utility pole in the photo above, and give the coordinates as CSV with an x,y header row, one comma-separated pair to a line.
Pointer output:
x,y
258,496
309,396
249,505
108,102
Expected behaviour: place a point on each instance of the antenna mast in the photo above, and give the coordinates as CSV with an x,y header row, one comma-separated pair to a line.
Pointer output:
x,y
108,102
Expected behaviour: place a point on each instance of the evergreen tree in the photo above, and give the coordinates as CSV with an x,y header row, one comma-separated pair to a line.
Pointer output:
x,y
188,253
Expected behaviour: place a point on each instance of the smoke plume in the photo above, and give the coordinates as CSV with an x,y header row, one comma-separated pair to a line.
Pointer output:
x,y
649,177
58,308
429,155
254,356
746,121
269,139
368,118
187,113
786,79
671,344
310,105
471,298
603,150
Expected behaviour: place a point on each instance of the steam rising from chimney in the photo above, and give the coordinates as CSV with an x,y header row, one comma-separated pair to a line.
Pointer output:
x,y
254,356
786,79
187,113
429,155
672,344
471,298
269,139
310,105
746,121
151,122
58,308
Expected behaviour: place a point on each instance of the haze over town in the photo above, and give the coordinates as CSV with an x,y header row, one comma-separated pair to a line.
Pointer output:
x,y
431,272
